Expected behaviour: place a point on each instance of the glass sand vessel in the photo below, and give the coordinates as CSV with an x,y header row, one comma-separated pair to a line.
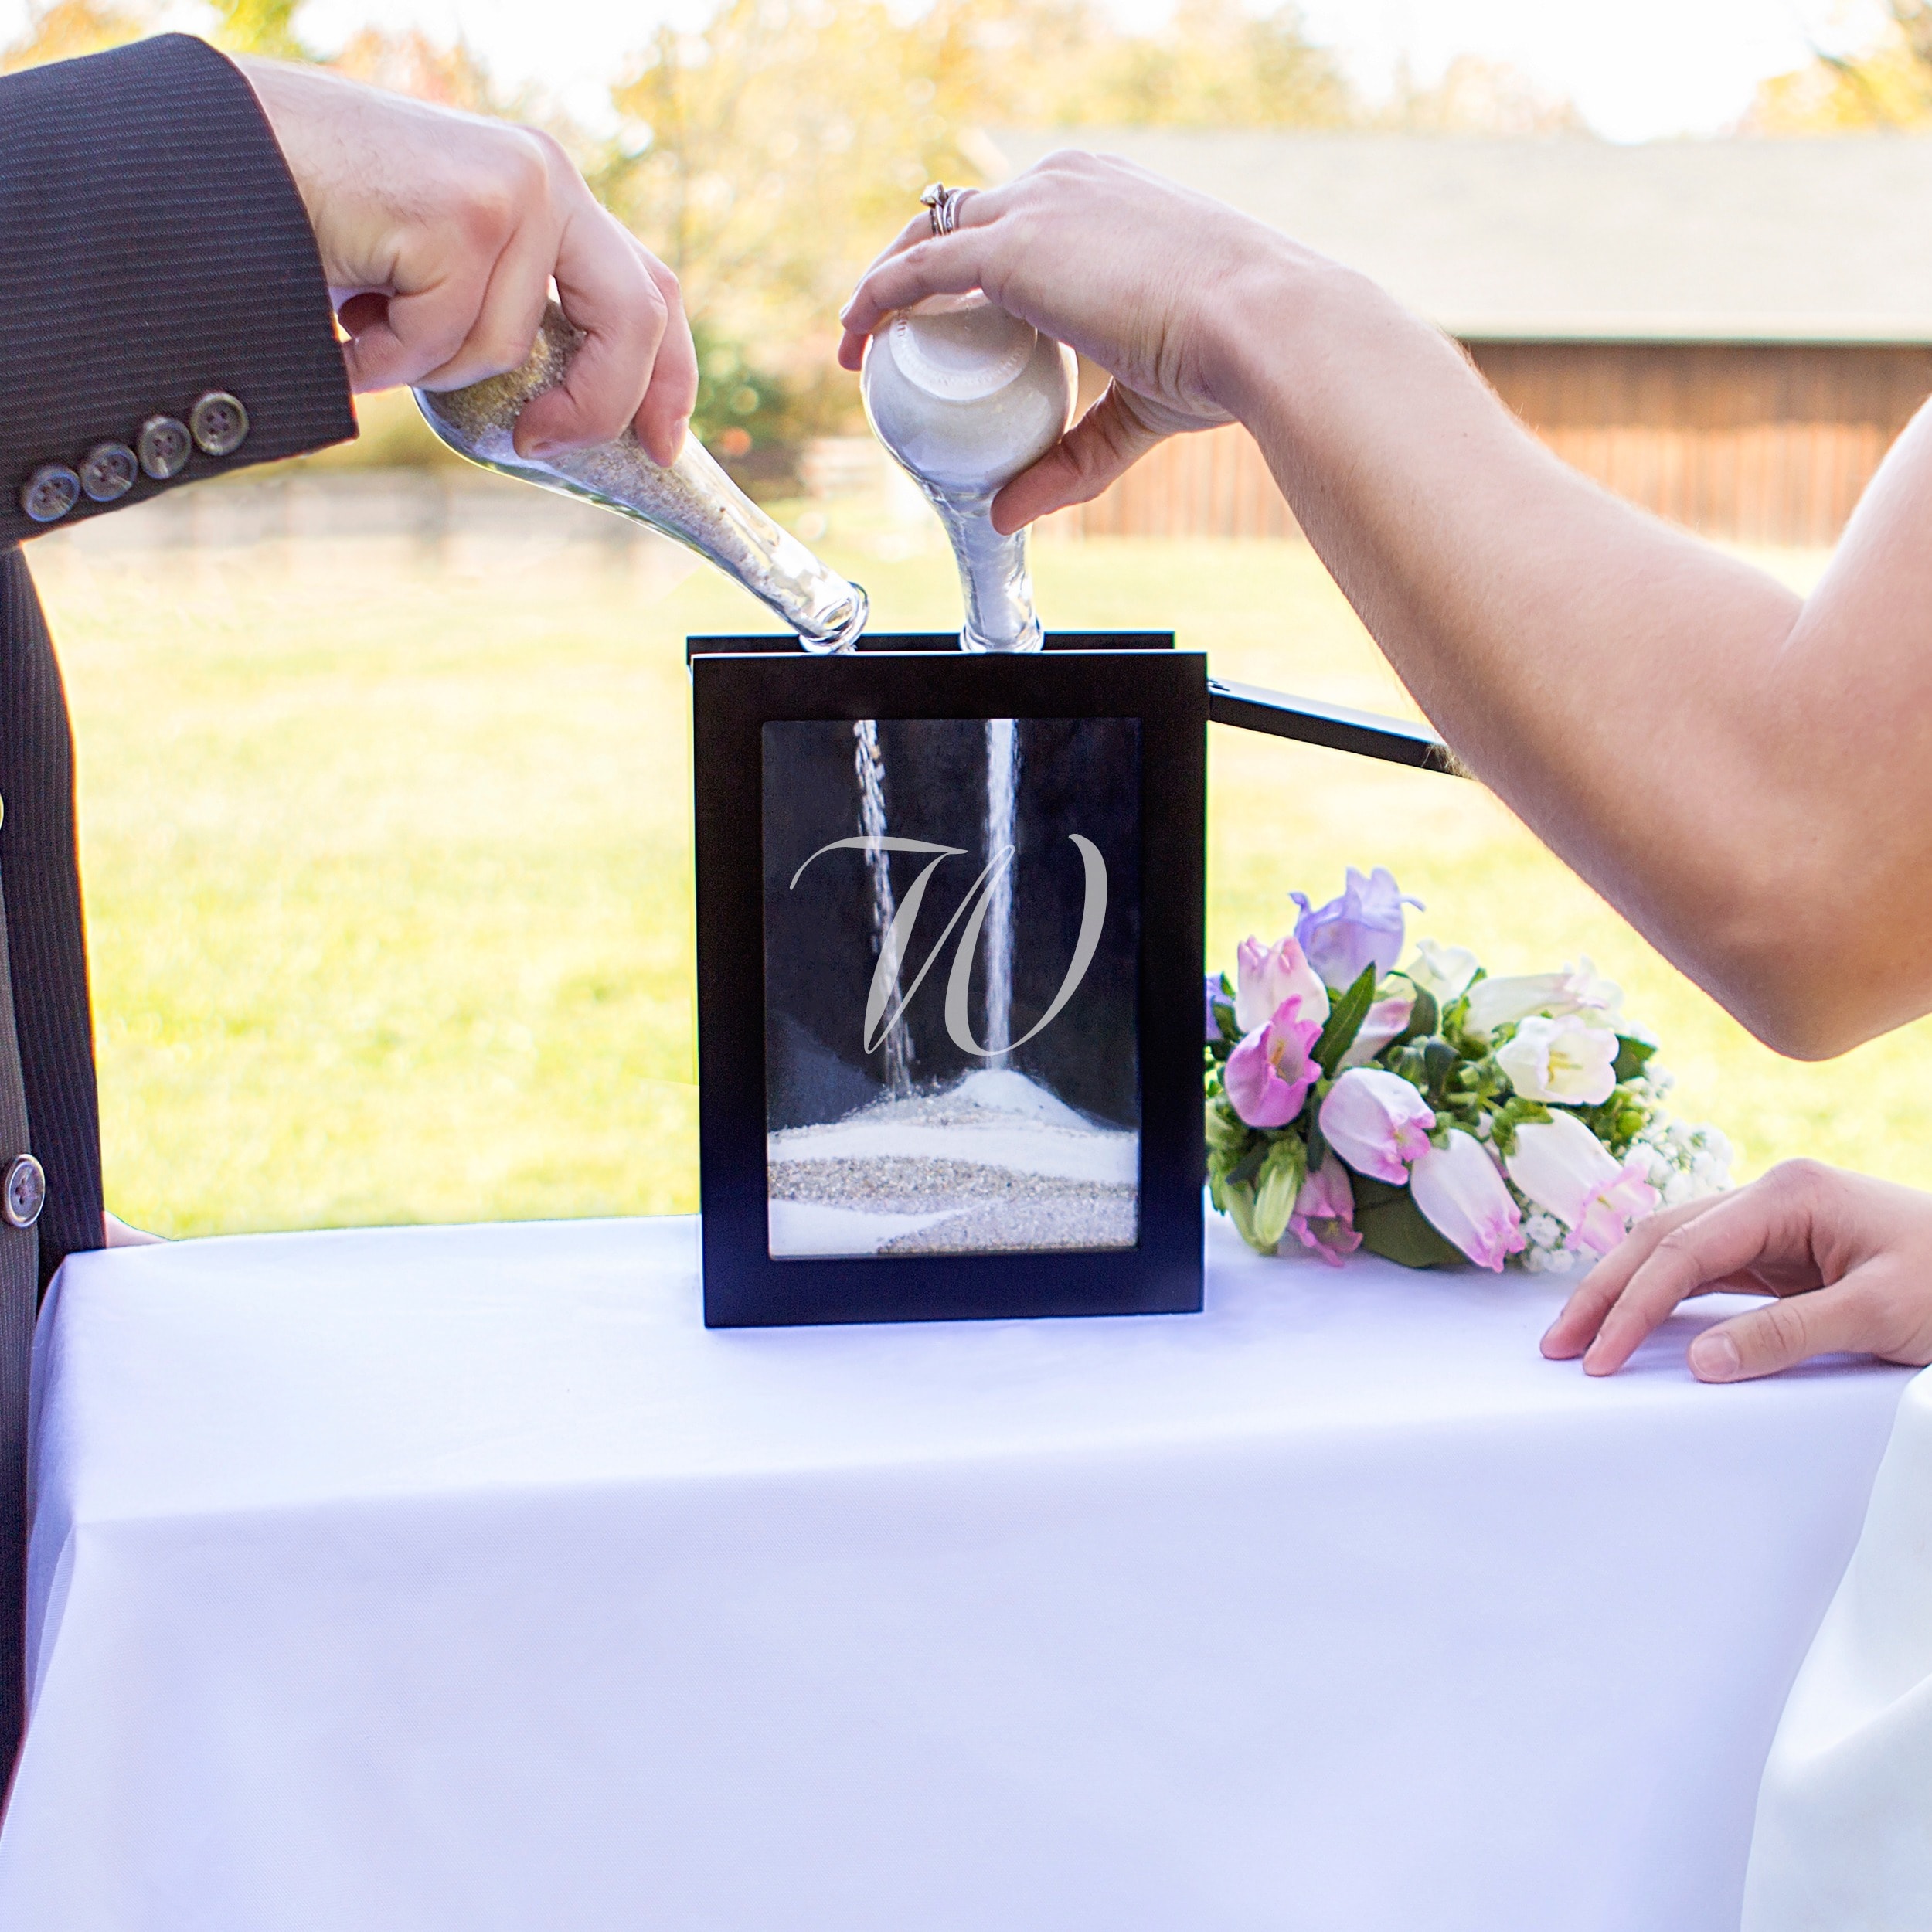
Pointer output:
x,y
965,397
692,499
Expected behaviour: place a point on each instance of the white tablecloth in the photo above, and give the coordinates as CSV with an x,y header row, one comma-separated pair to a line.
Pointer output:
x,y
458,1580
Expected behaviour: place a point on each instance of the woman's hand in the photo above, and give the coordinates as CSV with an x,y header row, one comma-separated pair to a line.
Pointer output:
x,y
1136,273
439,234
117,1234
1848,1258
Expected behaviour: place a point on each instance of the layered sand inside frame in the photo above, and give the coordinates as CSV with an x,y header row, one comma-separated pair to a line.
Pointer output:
x,y
995,1164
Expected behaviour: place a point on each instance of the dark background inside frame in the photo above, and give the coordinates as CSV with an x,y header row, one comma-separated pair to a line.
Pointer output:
x,y
1079,775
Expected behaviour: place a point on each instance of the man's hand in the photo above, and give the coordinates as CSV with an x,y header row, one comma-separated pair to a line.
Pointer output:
x,y
1133,271
440,234
1848,1258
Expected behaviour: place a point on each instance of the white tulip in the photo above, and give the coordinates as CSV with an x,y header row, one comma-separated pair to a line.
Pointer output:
x,y
1566,1060
1576,989
1443,972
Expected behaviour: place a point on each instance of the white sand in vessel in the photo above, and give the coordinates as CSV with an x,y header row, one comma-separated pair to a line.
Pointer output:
x,y
993,1163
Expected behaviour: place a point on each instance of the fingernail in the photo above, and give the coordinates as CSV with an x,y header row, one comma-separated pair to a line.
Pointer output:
x,y
1714,1357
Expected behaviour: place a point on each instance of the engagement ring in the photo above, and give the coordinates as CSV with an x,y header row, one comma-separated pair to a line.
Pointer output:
x,y
943,204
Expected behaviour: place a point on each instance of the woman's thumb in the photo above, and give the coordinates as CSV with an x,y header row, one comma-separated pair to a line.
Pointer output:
x,y
1106,442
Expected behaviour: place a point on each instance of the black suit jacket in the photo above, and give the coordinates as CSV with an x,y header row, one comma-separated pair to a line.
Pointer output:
x,y
153,250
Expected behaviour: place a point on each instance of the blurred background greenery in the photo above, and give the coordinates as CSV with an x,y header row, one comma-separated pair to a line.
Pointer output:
x,y
768,149
388,873
388,862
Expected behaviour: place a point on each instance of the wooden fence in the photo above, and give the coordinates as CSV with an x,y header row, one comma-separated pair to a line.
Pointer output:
x,y
1770,444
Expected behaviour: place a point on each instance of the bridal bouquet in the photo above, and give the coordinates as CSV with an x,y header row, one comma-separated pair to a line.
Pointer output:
x,y
1433,1114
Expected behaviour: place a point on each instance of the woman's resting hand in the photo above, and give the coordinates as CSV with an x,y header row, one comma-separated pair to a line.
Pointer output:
x,y
1132,270
439,234
1848,1258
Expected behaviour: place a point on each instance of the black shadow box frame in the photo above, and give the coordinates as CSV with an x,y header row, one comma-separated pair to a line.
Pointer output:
x,y
739,684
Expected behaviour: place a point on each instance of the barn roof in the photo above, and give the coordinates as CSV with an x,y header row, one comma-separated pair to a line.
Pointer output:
x,y
1570,239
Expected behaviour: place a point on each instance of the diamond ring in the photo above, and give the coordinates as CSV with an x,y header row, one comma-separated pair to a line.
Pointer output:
x,y
942,204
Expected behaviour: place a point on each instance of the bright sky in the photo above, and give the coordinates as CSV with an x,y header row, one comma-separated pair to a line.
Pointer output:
x,y
1636,68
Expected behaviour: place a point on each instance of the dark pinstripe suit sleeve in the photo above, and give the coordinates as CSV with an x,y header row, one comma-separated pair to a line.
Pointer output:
x,y
47,951
153,248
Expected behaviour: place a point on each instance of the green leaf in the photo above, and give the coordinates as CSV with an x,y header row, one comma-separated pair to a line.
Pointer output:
x,y
1453,1024
1425,1017
1514,1112
1224,1018
1392,1226
1345,1016
1439,1060
1632,1056
1243,1171
1226,1131
1410,1063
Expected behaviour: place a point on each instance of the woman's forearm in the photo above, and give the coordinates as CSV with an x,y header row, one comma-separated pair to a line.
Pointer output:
x,y
1629,691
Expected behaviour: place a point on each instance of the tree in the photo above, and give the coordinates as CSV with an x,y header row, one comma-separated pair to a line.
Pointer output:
x,y
69,28
412,63
259,26
1479,97
1215,65
1888,85
767,156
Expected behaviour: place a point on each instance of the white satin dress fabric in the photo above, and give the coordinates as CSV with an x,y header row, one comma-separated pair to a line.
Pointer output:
x,y
1843,1841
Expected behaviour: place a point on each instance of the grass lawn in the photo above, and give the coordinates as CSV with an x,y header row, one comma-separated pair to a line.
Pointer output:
x,y
388,870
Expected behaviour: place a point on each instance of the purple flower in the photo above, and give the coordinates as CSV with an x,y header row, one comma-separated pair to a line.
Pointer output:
x,y
1324,1216
1377,1122
1214,992
1270,1074
1363,927
1463,1197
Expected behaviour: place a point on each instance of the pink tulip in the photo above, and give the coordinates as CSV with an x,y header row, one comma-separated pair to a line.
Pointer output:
x,y
1264,976
1377,1122
1269,1074
1463,1197
1566,1170
1324,1216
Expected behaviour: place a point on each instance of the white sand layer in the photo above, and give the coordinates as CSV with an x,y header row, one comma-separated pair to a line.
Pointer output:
x,y
801,1228
995,1164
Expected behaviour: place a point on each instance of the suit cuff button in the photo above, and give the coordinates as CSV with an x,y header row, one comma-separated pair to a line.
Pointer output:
x,y
50,493
219,423
164,445
109,472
